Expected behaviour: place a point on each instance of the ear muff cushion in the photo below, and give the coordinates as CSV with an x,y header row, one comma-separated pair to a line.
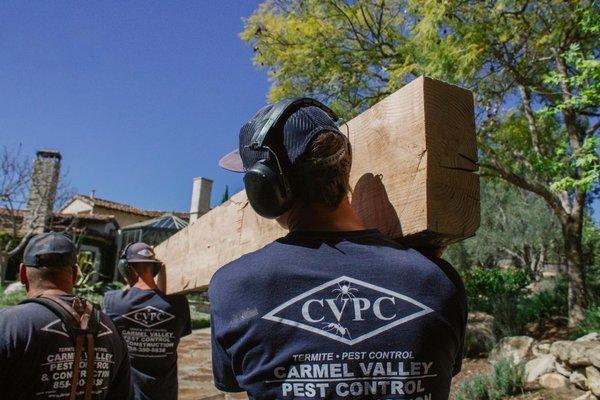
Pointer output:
x,y
124,269
268,194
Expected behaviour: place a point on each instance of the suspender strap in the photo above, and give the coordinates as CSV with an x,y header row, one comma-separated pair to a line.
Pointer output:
x,y
76,362
81,324
89,375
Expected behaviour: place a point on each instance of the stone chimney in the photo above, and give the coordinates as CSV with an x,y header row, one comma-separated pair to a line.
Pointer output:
x,y
42,190
201,192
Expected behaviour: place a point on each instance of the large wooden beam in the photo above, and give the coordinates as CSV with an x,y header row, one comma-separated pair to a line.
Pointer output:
x,y
413,178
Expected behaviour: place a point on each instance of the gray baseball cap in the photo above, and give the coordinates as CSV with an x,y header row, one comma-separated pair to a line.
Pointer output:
x,y
140,252
50,243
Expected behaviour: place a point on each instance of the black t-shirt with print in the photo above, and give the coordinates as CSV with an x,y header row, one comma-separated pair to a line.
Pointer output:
x,y
152,324
337,315
36,357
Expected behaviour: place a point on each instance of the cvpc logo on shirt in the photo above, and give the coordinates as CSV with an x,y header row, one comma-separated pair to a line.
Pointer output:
x,y
348,310
148,316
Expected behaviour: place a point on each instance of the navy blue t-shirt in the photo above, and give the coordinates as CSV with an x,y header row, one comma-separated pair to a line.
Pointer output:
x,y
36,357
337,315
152,324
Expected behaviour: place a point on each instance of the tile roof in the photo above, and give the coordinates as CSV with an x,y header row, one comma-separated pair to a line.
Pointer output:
x,y
58,222
113,205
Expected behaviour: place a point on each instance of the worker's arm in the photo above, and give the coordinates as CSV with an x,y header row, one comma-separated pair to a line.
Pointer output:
x,y
224,377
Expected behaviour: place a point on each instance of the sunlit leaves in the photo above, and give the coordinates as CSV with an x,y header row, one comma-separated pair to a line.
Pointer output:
x,y
353,53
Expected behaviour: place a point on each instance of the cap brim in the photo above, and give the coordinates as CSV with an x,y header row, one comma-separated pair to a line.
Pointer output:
x,y
232,162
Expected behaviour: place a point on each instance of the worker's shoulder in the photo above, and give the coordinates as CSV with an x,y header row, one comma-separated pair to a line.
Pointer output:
x,y
175,299
24,310
21,318
109,294
443,267
109,299
442,273
12,311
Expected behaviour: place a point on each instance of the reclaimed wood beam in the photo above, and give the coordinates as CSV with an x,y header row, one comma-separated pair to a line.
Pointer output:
x,y
413,177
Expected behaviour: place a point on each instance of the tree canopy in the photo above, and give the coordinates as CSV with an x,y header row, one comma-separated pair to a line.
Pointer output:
x,y
515,225
533,66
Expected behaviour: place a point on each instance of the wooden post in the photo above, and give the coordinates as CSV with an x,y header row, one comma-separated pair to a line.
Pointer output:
x,y
413,178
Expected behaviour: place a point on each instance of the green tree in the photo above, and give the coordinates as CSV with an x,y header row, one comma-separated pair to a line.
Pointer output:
x,y
533,67
508,231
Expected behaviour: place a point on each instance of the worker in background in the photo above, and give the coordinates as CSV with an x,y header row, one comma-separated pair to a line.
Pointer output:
x,y
42,337
333,309
151,322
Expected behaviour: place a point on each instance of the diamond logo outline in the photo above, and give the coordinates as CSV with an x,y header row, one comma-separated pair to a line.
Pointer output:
x,y
62,330
130,317
271,316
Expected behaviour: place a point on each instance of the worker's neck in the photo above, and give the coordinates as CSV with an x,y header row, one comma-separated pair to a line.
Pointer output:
x,y
48,288
317,217
146,282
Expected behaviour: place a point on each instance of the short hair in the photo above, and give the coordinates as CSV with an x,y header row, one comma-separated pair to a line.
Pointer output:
x,y
329,184
51,268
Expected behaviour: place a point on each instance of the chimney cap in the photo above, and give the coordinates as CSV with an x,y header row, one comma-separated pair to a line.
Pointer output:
x,y
202,178
45,153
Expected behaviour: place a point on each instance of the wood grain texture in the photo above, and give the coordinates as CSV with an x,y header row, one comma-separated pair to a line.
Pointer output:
x,y
414,158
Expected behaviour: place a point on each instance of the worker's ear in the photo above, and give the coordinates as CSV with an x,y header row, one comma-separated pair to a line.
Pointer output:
x,y
23,275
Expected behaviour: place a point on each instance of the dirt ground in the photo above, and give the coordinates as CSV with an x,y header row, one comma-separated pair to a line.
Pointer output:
x,y
195,376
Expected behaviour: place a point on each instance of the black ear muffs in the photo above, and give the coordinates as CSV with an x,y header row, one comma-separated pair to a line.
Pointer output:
x,y
267,185
267,188
123,265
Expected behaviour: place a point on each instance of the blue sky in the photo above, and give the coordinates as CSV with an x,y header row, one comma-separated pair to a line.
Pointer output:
x,y
138,96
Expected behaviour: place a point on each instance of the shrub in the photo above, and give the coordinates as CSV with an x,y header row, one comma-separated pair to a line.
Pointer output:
x,y
476,345
7,300
592,278
95,292
473,389
484,285
590,324
199,320
547,303
498,292
505,379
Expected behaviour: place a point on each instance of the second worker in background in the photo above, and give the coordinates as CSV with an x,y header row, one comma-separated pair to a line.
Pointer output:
x,y
151,322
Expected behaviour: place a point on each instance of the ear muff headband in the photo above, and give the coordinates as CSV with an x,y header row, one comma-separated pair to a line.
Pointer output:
x,y
124,252
280,111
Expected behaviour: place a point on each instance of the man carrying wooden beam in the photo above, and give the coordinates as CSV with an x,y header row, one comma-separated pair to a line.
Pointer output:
x,y
332,310
151,323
